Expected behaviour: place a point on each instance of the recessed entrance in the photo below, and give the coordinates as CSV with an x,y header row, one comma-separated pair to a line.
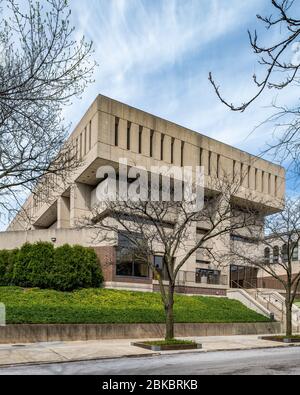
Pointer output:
x,y
243,277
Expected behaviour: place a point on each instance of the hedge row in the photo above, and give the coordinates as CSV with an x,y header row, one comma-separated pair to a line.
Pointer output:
x,y
40,265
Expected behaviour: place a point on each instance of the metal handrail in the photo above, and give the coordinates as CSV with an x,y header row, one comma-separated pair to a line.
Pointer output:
x,y
263,296
246,282
267,298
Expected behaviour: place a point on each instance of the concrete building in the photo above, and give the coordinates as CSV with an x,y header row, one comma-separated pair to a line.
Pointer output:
x,y
276,256
111,130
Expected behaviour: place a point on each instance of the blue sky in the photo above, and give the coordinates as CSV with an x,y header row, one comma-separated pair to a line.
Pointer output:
x,y
156,55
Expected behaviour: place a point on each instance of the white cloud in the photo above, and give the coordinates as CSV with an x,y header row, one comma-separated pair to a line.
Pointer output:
x,y
156,55
127,34
139,44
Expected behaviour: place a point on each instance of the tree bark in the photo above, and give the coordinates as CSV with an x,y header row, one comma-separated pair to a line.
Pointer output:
x,y
289,323
169,310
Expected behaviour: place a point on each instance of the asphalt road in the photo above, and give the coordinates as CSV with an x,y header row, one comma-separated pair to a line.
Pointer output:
x,y
255,362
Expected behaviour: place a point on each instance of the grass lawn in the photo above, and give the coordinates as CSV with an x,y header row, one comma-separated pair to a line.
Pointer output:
x,y
34,306
297,303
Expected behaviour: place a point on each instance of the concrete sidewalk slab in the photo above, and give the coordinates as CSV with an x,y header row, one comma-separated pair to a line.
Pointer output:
x,y
67,351
41,353
234,343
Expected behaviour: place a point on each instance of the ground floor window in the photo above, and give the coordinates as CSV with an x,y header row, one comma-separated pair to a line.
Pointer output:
x,y
158,261
132,268
129,262
243,277
206,276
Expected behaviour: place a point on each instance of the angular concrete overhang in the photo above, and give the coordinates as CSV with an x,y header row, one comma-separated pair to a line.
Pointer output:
x,y
96,131
48,218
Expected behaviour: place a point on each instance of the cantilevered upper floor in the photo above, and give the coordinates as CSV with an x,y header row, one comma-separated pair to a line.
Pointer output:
x,y
111,130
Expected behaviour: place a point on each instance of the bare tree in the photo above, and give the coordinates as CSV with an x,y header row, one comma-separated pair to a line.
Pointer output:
x,y
276,57
277,254
41,69
168,228
279,65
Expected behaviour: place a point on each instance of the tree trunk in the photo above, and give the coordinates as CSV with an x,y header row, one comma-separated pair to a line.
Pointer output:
x,y
289,323
169,309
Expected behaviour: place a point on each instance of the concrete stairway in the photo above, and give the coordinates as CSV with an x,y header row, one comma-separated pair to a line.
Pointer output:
x,y
275,303
249,301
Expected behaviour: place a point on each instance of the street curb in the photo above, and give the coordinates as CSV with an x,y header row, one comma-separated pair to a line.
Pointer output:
x,y
76,360
155,354
203,351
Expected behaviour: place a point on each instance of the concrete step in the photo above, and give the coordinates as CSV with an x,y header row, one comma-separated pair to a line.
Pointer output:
x,y
275,303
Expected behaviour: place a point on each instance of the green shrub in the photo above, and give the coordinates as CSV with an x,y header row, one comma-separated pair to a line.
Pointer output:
x,y
7,262
39,265
4,258
75,267
95,268
12,259
33,265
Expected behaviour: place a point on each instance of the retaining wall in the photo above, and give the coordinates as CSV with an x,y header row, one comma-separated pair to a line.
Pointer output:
x,y
14,334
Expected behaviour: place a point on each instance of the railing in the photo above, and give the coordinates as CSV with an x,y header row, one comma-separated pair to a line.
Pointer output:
x,y
246,285
260,296
273,301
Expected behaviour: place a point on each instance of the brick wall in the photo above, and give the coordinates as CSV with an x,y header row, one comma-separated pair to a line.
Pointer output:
x,y
108,259
272,283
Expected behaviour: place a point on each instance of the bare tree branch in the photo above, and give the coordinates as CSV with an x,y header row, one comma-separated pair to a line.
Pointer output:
x,y
272,58
41,69
282,236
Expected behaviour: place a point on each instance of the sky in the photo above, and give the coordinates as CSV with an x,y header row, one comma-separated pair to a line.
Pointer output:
x,y
156,55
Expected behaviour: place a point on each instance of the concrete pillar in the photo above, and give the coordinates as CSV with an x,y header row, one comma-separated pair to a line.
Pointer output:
x,y
156,145
96,130
107,132
134,140
205,161
226,168
221,244
213,166
272,185
123,134
79,203
146,142
63,212
252,178
259,181
167,149
266,182
191,154
237,172
244,175
281,187
177,152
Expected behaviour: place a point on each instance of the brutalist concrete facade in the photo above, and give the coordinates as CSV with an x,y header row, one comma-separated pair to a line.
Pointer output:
x,y
102,138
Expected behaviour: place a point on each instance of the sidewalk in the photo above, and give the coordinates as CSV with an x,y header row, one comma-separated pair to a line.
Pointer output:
x,y
107,349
